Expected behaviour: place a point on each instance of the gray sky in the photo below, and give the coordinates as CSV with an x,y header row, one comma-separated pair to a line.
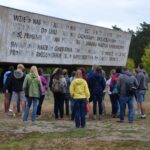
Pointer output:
x,y
105,13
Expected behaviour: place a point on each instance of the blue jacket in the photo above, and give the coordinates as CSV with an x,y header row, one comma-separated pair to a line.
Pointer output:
x,y
97,83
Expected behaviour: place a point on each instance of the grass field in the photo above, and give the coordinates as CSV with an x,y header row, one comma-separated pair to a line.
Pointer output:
x,y
49,134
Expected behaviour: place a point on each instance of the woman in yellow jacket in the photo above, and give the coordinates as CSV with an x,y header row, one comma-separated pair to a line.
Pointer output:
x,y
80,93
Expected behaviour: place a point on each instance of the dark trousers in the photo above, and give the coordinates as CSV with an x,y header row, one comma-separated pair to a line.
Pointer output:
x,y
114,102
72,109
67,105
39,107
80,112
59,105
97,98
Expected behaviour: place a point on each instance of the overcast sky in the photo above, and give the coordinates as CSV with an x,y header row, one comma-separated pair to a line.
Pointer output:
x,y
105,13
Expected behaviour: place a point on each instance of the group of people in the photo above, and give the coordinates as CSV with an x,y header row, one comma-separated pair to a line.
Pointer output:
x,y
21,90
76,92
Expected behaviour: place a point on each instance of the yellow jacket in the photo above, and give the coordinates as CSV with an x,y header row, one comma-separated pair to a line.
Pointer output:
x,y
79,89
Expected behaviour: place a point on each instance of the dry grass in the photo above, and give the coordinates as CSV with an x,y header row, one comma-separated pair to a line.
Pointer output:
x,y
61,135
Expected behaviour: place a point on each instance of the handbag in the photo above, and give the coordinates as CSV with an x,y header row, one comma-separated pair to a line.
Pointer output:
x,y
87,106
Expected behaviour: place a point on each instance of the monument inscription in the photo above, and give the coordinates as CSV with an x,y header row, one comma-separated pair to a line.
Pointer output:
x,y
32,38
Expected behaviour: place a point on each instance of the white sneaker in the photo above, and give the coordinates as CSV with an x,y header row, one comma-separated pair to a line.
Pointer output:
x,y
143,116
10,110
14,115
25,126
87,116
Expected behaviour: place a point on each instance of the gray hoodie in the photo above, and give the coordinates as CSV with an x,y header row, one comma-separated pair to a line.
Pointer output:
x,y
142,78
122,82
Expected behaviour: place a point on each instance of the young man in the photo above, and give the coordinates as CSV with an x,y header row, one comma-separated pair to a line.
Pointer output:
x,y
142,78
16,82
124,79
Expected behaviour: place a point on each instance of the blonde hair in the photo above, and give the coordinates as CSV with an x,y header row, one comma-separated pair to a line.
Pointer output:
x,y
34,70
78,74
21,67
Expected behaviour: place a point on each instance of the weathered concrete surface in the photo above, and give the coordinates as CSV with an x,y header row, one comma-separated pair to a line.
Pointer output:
x,y
32,38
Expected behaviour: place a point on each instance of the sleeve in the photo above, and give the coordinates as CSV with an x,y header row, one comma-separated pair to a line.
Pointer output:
x,y
71,88
25,83
40,87
44,81
103,83
87,92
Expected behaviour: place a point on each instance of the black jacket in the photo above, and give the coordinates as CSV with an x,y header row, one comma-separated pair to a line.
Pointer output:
x,y
16,81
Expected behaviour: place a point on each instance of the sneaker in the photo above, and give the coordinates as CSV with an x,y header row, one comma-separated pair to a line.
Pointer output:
x,y
10,110
33,123
25,126
87,116
14,115
143,116
120,121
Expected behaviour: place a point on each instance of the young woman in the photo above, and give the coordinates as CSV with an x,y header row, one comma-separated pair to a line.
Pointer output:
x,y
44,89
32,84
80,93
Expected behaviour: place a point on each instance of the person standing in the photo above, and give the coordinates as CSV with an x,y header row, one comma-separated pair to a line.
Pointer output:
x,y
97,84
59,88
72,102
16,83
32,84
44,89
80,93
67,92
115,92
124,79
142,78
7,89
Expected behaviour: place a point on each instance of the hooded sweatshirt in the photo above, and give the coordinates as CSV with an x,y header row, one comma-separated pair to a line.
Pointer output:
x,y
79,89
142,78
122,82
34,85
16,81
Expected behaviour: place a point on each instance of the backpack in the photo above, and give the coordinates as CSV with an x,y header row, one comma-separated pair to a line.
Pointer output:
x,y
58,85
130,87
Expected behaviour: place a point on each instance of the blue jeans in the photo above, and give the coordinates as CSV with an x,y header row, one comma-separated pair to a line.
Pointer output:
x,y
123,100
97,98
80,112
30,100
72,102
114,102
140,95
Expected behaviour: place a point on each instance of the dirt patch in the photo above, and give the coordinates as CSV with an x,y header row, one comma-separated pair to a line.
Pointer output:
x,y
106,129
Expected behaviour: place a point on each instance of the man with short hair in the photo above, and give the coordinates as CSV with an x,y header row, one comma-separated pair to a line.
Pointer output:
x,y
16,82
124,98
142,78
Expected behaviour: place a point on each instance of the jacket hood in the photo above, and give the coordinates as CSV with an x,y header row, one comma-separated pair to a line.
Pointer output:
x,y
97,75
128,73
18,74
142,70
79,81
32,75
